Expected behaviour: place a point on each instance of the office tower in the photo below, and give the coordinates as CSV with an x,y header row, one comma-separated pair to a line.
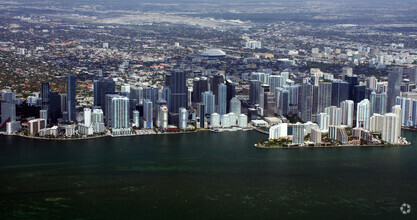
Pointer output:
x,y
103,87
405,104
168,80
298,134
87,116
379,102
231,92
340,92
222,99
376,123
359,93
324,96
200,85
254,90
323,121
371,82
352,81
151,93
120,112
242,121
54,106
147,113
278,131
8,107
395,78
347,71
283,103
45,95
285,76
275,81
215,120
208,101
44,115
64,101
214,85
414,113
125,90
269,104
363,114
335,115
202,115
183,113
305,102
179,91
235,106
71,97
292,94
390,131
315,103
347,107
264,89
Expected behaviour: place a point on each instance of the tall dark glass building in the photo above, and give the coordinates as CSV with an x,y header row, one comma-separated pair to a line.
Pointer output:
x,y
231,91
54,106
352,81
103,87
340,92
214,86
45,95
178,91
71,97
395,79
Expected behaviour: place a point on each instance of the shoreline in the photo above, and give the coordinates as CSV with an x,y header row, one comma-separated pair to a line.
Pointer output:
x,y
120,136
334,146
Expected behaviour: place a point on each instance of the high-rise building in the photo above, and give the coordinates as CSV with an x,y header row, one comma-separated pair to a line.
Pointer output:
x,y
208,101
108,108
222,99
202,115
216,80
376,123
324,96
352,80
379,102
269,104
315,136
347,107
405,104
305,102
136,119
231,92
359,93
278,131
183,113
397,110
215,120
8,107
298,134
414,113
120,112
147,114
87,116
283,103
64,101
44,115
371,82
98,116
179,91
45,95
340,92
254,90
363,114
163,117
335,115
275,81
323,121
395,78
54,106
390,131
235,106
71,103
200,85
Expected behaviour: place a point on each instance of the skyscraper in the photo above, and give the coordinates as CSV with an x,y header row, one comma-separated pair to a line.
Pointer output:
x,y
71,97
363,114
179,91
54,106
222,99
359,93
283,102
340,92
103,87
324,96
254,89
208,101
298,134
405,104
379,102
235,106
163,117
183,113
305,102
395,78
120,112
147,114
45,95
347,107
390,131
231,92
216,80
352,81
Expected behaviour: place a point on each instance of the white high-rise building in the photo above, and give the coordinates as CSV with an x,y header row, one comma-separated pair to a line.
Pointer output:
x,y
183,114
278,131
243,121
390,131
347,112
253,44
335,115
363,114
405,104
97,116
87,116
323,122
225,121
215,120
120,112
376,123
136,119
397,110
163,117
232,119
235,106
315,135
